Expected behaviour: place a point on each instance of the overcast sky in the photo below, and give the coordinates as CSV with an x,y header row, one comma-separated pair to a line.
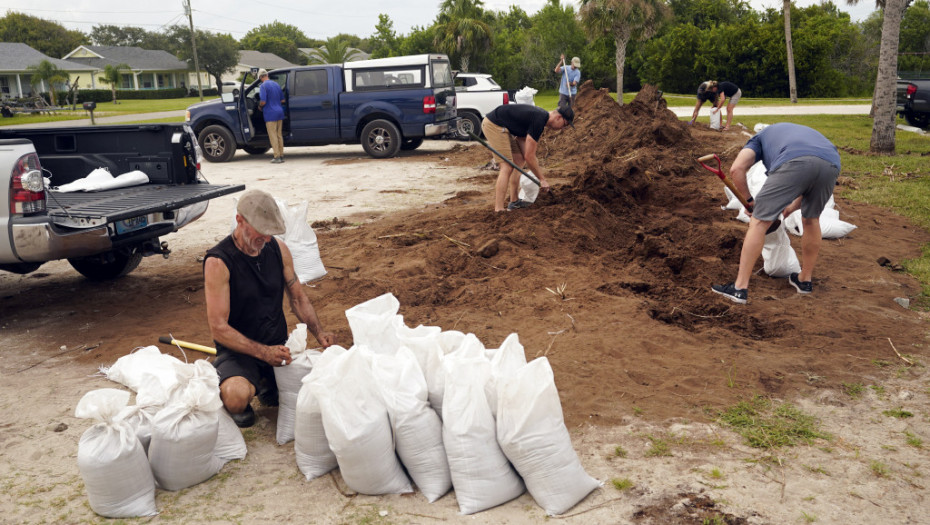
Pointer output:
x,y
315,18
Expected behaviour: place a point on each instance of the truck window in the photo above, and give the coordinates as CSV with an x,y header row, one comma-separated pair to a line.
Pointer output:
x,y
280,78
312,82
442,73
394,78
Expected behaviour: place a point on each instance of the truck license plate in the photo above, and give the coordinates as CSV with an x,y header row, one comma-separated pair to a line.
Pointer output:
x,y
132,224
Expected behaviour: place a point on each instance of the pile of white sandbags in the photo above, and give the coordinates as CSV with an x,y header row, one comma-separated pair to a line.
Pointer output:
x,y
374,411
779,258
178,428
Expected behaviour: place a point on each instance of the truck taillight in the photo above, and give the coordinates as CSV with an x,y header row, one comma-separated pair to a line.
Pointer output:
x,y
911,89
506,98
429,104
27,187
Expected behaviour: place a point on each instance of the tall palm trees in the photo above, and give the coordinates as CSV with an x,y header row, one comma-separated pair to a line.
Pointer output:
x,y
792,80
46,72
624,19
112,75
461,30
883,100
335,51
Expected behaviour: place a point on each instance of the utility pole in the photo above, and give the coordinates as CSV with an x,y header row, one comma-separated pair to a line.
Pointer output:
x,y
190,16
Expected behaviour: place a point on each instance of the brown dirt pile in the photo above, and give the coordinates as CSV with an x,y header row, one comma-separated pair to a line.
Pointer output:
x,y
609,275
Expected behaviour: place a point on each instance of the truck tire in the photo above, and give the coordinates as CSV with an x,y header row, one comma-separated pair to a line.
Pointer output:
x,y
470,123
381,139
217,143
255,150
411,144
108,266
918,120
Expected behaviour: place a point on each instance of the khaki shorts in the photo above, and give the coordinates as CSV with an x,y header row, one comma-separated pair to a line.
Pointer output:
x,y
734,100
500,139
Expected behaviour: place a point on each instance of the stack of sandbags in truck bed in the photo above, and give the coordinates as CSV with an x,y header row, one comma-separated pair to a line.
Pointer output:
x,y
502,431
177,426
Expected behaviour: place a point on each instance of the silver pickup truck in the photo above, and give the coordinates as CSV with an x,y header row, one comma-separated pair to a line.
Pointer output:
x,y
103,234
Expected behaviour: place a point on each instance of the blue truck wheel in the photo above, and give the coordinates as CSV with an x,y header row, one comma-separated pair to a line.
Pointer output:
x,y
381,139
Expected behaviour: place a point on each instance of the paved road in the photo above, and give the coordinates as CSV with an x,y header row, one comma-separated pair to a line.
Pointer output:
x,y
681,111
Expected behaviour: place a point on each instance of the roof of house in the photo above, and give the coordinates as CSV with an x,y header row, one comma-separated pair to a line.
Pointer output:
x,y
136,58
15,56
250,58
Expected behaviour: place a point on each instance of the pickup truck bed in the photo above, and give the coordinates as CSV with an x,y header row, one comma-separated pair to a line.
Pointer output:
x,y
103,234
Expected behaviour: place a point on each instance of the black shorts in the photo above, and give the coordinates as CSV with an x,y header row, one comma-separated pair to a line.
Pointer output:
x,y
232,364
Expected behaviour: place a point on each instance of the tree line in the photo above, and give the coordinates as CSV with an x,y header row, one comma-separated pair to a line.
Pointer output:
x,y
700,40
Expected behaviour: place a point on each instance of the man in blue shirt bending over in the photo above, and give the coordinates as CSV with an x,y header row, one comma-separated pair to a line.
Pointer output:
x,y
801,168
272,102
571,77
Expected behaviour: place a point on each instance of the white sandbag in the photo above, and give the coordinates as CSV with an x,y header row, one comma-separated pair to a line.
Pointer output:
x,y
417,428
525,96
311,448
831,227
371,323
481,474
357,426
229,441
230,444
714,118
289,380
778,257
450,342
184,436
150,398
301,241
529,190
733,202
531,432
506,360
111,460
423,341
100,180
130,369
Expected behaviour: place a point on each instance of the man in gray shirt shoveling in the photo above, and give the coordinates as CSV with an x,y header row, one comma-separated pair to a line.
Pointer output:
x,y
801,167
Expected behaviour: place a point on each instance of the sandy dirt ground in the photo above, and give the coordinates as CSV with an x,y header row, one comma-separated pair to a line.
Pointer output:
x,y
644,355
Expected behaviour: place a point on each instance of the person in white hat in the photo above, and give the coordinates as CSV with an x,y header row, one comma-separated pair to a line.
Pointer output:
x,y
571,77
246,277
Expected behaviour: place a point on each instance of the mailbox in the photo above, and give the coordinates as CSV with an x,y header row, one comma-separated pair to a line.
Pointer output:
x,y
90,105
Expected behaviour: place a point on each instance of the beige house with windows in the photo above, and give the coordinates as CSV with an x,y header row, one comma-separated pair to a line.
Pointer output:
x,y
16,77
249,59
148,68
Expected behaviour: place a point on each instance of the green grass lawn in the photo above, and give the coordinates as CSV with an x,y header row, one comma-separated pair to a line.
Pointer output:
x,y
106,109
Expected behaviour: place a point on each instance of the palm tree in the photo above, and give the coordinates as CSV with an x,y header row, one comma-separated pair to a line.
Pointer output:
x,y
883,100
461,31
624,19
335,51
48,73
792,80
113,75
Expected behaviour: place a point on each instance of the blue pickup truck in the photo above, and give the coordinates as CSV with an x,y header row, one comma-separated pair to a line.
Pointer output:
x,y
386,105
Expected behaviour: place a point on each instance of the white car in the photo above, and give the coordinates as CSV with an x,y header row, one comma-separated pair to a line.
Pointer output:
x,y
477,94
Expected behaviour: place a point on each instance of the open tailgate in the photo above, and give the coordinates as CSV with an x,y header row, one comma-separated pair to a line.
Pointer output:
x,y
91,209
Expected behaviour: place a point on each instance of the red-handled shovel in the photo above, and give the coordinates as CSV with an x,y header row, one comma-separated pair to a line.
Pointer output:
x,y
718,171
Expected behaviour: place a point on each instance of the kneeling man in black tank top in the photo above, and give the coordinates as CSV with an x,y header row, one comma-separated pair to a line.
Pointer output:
x,y
245,278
